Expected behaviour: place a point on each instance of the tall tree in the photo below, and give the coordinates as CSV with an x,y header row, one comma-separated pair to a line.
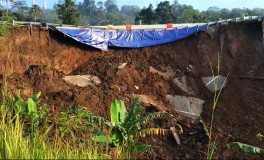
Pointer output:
x,y
100,5
92,14
110,6
147,15
88,7
68,12
20,6
190,14
213,13
236,12
224,13
164,13
177,9
35,11
130,10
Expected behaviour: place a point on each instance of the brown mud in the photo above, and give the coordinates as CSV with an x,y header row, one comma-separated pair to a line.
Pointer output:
x,y
38,62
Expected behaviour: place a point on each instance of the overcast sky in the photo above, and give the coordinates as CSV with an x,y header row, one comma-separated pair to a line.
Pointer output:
x,y
198,4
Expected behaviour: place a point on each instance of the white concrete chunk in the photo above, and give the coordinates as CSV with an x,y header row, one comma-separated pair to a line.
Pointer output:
x,y
187,106
82,80
214,83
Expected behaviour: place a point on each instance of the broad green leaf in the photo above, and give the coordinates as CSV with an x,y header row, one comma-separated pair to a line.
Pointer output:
x,y
102,139
245,148
20,105
117,137
32,106
118,112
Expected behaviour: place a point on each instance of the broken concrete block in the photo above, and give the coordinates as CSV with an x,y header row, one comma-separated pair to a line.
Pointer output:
x,y
82,80
214,83
187,106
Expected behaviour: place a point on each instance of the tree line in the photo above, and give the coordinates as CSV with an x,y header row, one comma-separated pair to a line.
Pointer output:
x,y
91,12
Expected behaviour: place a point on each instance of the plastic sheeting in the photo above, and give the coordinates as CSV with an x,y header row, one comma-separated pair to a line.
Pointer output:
x,y
102,39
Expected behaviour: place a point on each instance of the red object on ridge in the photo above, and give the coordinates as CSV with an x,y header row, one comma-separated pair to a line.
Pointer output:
x,y
169,25
128,26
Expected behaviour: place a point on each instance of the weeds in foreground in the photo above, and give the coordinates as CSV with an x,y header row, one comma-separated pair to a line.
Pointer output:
x,y
209,128
5,29
27,132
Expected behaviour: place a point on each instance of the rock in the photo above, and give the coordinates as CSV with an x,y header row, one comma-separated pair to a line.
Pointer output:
x,y
123,65
82,80
166,75
96,80
187,106
210,82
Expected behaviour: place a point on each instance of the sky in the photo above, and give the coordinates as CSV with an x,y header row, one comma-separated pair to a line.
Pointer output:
x,y
197,4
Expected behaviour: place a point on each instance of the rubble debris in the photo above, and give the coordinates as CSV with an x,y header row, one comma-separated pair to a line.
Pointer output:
x,y
123,65
214,83
166,75
187,106
186,84
137,88
148,100
82,80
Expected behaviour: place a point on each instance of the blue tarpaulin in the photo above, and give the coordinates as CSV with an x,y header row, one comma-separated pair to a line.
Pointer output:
x,y
102,39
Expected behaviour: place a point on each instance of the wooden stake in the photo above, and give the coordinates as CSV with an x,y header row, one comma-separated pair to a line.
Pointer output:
x,y
175,135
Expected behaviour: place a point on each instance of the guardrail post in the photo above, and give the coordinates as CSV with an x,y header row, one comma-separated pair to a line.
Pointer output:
x,y
13,22
30,26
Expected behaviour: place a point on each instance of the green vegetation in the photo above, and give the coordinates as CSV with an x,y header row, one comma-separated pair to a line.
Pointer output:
x,y
212,145
126,126
246,147
35,11
5,29
28,130
68,12
91,12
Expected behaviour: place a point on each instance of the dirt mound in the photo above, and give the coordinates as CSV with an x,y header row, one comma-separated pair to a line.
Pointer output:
x,y
47,57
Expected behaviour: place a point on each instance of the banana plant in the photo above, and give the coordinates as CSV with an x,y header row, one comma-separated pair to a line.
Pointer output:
x,y
246,147
29,110
125,126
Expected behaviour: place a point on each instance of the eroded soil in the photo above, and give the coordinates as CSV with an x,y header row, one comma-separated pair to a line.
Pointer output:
x,y
38,62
